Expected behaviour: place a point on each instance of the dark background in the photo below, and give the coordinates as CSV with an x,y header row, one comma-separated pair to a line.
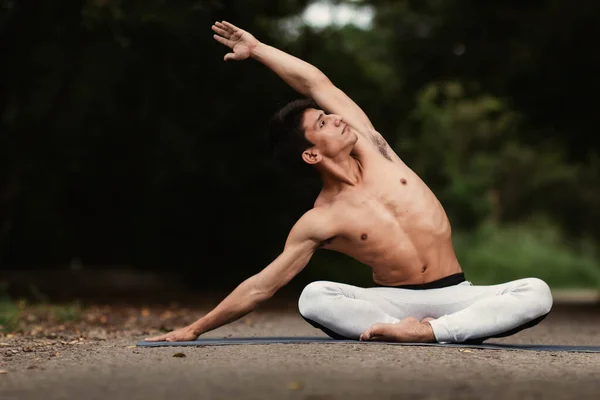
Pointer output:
x,y
126,143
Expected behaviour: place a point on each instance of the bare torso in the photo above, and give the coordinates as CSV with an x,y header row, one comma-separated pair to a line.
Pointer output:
x,y
390,221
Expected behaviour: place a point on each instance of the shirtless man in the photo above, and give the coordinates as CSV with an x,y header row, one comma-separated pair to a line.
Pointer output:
x,y
374,208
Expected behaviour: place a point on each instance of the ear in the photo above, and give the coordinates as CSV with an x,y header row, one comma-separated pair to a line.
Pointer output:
x,y
310,156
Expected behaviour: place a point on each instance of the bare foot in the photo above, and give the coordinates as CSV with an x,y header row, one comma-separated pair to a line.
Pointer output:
x,y
409,329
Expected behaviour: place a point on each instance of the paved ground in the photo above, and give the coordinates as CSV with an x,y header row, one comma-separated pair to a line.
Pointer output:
x,y
102,364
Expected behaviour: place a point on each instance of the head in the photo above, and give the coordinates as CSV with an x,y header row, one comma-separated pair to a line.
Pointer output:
x,y
302,136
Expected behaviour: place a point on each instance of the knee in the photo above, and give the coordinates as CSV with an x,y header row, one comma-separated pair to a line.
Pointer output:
x,y
311,298
541,297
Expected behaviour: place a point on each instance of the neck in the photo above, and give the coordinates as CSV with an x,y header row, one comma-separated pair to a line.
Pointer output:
x,y
338,173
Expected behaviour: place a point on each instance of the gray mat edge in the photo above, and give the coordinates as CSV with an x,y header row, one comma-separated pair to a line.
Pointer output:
x,y
323,340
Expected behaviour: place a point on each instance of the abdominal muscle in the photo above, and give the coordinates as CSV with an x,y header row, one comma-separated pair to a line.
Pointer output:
x,y
425,266
398,258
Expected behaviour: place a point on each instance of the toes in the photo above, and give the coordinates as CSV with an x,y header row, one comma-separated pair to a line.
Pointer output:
x,y
377,330
372,332
366,334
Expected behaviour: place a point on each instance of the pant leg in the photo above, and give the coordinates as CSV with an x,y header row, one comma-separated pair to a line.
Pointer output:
x,y
343,311
499,310
463,312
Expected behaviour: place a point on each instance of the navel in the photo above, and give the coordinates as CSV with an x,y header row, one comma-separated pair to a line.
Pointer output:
x,y
363,236
403,181
424,269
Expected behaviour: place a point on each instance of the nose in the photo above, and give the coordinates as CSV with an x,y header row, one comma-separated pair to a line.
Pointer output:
x,y
337,119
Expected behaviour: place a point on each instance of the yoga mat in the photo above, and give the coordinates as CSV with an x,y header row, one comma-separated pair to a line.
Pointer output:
x,y
324,340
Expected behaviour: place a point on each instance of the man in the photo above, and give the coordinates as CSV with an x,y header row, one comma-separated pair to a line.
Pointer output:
x,y
374,208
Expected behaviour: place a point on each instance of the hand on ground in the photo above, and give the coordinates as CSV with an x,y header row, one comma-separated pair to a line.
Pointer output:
x,y
180,335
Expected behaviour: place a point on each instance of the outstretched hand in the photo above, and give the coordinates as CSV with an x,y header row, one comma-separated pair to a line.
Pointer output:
x,y
180,335
241,42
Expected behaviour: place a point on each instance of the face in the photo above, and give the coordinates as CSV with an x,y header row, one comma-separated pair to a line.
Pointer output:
x,y
330,134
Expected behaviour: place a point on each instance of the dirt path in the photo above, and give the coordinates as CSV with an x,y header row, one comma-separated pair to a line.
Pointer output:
x,y
98,362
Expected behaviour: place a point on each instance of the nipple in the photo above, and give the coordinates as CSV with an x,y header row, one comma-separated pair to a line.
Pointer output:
x,y
363,236
403,181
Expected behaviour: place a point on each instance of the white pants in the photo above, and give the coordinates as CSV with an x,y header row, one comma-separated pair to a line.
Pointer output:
x,y
462,312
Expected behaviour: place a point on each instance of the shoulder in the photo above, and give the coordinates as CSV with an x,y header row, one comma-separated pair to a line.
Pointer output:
x,y
317,225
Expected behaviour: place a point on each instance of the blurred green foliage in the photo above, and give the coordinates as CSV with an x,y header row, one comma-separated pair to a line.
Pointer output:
x,y
125,139
13,312
492,254
10,312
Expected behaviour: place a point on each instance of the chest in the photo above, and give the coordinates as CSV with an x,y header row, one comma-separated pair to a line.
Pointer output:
x,y
387,192
369,219
386,207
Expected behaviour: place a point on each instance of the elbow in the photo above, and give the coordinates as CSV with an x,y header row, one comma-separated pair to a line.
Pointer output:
x,y
260,293
317,80
259,296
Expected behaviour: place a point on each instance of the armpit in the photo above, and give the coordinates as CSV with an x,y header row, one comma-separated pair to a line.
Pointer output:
x,y
327,241
381,144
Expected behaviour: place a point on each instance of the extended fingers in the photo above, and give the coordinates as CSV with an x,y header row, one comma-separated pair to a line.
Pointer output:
x,y
231,27
221,31
156,338
222,40
221,25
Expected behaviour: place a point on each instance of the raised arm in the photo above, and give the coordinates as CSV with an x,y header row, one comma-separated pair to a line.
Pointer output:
x,y
300,75
304,238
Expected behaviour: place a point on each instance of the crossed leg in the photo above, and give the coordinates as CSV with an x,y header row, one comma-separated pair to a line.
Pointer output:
x,y
454,314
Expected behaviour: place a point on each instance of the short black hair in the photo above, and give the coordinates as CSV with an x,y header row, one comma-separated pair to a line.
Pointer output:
x,y
288,142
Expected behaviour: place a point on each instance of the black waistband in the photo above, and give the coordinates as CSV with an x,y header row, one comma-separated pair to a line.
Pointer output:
x,y
449,280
